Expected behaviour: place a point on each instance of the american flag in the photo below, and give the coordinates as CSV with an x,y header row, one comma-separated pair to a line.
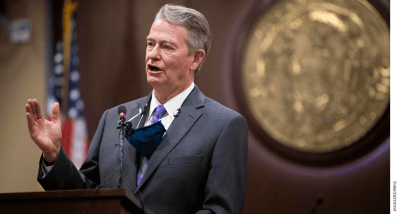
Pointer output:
x,y
74,140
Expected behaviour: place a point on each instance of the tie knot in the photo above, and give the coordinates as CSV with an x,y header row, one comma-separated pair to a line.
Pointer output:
x,y
159,110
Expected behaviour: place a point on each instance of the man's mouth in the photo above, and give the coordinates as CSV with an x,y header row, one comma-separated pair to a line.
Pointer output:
x,y
153,68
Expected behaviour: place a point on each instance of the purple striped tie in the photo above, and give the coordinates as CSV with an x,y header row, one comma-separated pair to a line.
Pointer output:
x,y
159,110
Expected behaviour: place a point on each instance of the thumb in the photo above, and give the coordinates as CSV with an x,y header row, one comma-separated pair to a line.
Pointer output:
x,y
56,112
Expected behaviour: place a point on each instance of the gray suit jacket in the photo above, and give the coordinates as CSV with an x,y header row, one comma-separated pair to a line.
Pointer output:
x,y
199,167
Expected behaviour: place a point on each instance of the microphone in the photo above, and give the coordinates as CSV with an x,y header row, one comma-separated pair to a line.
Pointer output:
x,y
122,120
122,126
122,114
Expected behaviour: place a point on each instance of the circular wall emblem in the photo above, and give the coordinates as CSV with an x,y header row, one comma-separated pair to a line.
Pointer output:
x,y
315,75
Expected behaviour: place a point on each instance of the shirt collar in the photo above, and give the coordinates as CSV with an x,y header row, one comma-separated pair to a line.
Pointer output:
x,y
173,104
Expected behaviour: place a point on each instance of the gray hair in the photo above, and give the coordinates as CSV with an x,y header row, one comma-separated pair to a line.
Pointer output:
x,y
198,33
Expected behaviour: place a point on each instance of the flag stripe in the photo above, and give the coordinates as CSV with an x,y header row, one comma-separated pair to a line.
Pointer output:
x,y
67,136
74,140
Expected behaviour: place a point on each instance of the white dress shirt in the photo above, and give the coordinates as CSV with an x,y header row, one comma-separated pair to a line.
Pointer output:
x,y
167,118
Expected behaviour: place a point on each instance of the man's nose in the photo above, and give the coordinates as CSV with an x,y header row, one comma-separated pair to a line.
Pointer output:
x,y
155,53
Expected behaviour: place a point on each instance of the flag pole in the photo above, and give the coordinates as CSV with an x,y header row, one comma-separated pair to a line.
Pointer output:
x,y
67,13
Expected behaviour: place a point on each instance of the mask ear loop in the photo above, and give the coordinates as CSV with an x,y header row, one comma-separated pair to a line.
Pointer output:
x,y
142,114
169,117
175,114
146,109
135,115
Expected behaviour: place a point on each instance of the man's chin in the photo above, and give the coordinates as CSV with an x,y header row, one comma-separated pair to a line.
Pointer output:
x,y
154,81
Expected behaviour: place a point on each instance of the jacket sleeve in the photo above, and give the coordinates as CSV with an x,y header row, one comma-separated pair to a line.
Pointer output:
x,y
64,174
225,187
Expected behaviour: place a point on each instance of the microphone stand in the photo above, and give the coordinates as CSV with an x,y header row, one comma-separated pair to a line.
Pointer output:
x,y
125,128
121,145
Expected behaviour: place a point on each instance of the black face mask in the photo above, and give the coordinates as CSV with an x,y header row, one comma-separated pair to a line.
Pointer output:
x,y
146,139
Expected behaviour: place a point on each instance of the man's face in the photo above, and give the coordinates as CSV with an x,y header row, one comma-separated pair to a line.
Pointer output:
x,y
167,57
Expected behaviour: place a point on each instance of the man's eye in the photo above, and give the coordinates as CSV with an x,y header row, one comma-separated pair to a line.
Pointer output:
x,y
150,44
167,47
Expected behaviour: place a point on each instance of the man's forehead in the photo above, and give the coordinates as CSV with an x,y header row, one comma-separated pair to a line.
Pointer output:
x,y
162,37
162,28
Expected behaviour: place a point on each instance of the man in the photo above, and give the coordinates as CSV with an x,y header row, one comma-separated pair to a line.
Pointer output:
x,y
200,166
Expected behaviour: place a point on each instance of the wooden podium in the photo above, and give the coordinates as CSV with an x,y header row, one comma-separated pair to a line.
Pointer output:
x,y
91,201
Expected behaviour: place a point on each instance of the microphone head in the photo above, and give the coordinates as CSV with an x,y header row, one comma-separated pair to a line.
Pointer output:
x,y
121,111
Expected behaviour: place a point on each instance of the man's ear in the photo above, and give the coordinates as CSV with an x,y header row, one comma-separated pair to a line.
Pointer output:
x,y
199,56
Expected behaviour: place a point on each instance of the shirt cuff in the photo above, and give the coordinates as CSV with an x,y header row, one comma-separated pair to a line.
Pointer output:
x,y
45,169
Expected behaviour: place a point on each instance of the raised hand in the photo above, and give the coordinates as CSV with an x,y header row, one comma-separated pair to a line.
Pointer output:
x,y
46,134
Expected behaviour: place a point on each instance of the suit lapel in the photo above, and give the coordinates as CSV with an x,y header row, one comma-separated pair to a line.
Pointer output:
x,y
189,114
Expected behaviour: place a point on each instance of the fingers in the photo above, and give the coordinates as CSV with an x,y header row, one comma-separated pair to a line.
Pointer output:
x,y
56,111
29,118
28,109
37,108
32,108
30,115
